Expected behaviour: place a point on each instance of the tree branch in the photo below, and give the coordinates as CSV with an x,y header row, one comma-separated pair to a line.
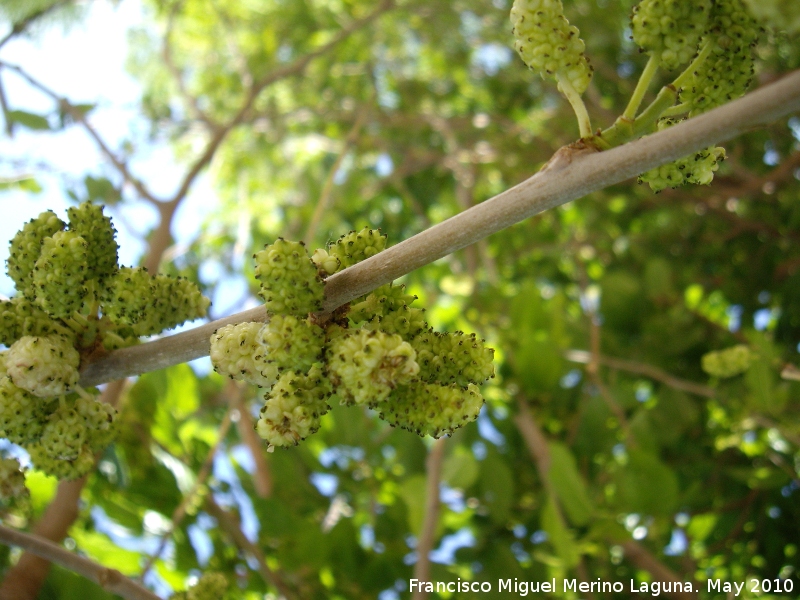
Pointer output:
x,y
79,117
643,559
537,445
262,478
620,364
422,569
327,187
294,68
566,177
20,26
180,511
228,524
109,579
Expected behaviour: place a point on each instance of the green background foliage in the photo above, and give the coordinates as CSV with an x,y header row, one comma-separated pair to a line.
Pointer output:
x,y
600,312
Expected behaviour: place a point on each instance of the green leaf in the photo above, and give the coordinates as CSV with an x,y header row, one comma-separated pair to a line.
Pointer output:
x,y
101,549
646,485
25,184
42,488
100,189
658,278
413,493
497,488
765,396
622,302
674,415
66,117
63,583
121,510
460,469
701,526
180,399
28,119
560,536
569,485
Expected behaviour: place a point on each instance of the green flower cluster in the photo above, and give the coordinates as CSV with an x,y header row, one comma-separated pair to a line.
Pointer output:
x,y
210,586
697,168
150,304
356,246
12,480
290,282
44,366
728,70
366,365
717,38
728,363
670,30
259,353
382,354
295,406
548,44
73,301
430,409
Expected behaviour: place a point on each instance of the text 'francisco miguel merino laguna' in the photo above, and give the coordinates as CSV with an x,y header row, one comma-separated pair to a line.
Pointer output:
x,y
523,588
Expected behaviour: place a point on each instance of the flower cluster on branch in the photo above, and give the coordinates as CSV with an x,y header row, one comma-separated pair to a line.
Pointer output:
x,y
378,352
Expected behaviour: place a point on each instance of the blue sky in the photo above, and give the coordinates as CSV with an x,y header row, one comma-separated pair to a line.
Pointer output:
x,y
85,63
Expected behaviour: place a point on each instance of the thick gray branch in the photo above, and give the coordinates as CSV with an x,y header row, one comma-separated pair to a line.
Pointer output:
x,y
567,177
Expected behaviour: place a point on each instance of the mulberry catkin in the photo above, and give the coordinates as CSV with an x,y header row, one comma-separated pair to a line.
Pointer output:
x,y
26,246
60,274
88,221
367,365
431,409
728,70
44,366
548,44
290,281
356,246
670,30
294,406
236,351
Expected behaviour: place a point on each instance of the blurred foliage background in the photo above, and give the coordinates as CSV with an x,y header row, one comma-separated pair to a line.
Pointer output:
x,y
604,450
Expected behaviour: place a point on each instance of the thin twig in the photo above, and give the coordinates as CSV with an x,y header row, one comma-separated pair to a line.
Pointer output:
x,y
296,67
537,445
20,26
643,559
6,111
620,364
79,117
426,538
24,580
327,188
536,442
564,179
180,511
108,579
231,527
594,375
262,479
